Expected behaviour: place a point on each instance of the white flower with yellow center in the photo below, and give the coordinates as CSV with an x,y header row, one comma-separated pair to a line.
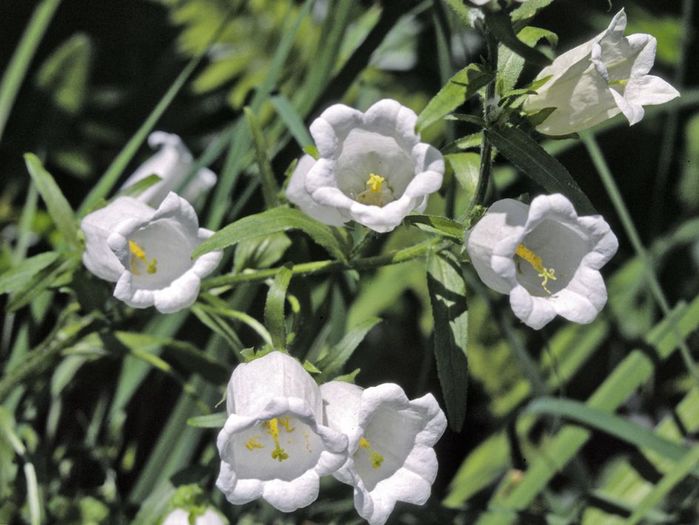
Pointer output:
x,y
172,163
147,252
372,169
274,444
545,257
599,79
391,439
182,517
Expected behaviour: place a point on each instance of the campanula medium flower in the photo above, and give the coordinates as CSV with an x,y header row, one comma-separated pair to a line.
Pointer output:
x,y
172,163
372,168
274,444
599,79
148,252
391,439
545,257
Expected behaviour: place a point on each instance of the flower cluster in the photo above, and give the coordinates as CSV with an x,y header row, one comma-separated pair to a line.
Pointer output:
x,y
283,433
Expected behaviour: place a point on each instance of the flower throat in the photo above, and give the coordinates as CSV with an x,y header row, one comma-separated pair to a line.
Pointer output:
x,y
547,274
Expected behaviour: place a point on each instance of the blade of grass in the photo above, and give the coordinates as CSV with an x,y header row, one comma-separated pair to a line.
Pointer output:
x,y
622,211
22,57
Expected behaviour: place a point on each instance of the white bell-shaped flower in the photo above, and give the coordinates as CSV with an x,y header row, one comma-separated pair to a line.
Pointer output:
x,y
172,163
181,517
391,439
545,257
147,252
372,169
599,79
274,444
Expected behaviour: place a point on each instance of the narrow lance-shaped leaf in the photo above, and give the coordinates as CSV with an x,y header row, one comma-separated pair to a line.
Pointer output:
x,y
216,420
455,92
537,164
56,203
449,309
274,307
273,221
339,354
510,64
612,424
20,276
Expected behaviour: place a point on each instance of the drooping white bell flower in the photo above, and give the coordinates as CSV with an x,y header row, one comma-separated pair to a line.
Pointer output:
x,y
545,257
391,439
181,517
172,163
372,167
274,444
147,252
599,79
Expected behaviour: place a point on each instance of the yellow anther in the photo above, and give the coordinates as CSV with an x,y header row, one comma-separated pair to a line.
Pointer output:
x,y
286,424
253,443
272,428
547,274
374,456
621,82
139,254
375,182
137,251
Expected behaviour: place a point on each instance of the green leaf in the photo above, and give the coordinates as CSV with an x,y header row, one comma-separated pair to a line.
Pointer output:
x,y
510,64
466,167
528,9
438,224
269,184
65,73
17,278
542,168
260,253
273,221
612,424
450,311
274,307
339,354
139,187
216,420
501,26
287,112
455,92
460,10
56,203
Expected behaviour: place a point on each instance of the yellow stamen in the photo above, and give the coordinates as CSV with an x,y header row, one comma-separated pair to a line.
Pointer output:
x,y
272,428
374,456
253,443
139,254
375,182
547,274
137,251
284,422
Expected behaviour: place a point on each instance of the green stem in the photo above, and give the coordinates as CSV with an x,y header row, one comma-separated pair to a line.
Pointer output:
x,y
22,57
321,267
486,166
610,185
